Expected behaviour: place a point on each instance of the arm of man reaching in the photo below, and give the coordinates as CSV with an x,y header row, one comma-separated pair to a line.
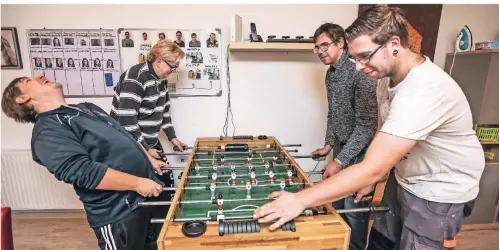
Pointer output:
x,y
384,152
60,151
413,116
131,93
167,126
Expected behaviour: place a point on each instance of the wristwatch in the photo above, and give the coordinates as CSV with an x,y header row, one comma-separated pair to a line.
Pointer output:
x,y
339,162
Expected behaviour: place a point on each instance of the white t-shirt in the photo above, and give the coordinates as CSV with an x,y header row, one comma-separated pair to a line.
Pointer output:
x,y
447,161
384,97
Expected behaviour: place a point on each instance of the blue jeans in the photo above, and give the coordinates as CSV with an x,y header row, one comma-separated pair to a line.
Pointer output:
x,y
358,222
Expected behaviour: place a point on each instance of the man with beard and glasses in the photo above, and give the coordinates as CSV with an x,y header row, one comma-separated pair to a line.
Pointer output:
x,y
428,136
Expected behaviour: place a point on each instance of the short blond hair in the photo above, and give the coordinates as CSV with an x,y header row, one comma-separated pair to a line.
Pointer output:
x,y
166,50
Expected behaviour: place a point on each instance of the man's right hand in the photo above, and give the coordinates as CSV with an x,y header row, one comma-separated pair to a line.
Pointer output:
x,y
148,188
153,153
158,164
322,151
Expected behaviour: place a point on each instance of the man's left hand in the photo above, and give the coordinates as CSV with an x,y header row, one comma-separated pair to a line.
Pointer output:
x,y
179,144
285,208
364,194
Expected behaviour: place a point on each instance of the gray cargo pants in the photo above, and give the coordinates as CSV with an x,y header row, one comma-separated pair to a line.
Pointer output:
x,y
415,223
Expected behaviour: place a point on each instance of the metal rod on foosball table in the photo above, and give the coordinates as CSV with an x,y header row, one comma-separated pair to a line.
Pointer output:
x,y
229,187
245,166
308,156
227,153
223,176
305,213
167,203
237,166
210,147
364,209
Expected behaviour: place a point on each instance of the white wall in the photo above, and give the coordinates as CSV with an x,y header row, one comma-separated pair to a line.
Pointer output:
x,y
483,21
280,94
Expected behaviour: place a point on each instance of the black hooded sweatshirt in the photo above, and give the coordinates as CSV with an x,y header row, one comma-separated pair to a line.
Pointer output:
x,y
77,145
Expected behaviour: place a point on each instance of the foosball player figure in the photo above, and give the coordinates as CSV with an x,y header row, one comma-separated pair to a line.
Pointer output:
x,y
250,167
214,177
222,160
233,166
253,176
196,168
213,187
250,156
215,167
290,176
271,175
220,202
267,165
248,190
274,160
282,184
233,176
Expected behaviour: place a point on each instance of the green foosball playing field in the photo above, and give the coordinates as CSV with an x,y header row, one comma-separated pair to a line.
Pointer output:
x,y
197,199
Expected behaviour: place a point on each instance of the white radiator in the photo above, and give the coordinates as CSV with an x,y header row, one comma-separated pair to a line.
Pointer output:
x,y
29,186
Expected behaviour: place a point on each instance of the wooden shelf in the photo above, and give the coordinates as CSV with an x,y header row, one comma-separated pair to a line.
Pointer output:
x,y
476,52
271,47
490,142
494,162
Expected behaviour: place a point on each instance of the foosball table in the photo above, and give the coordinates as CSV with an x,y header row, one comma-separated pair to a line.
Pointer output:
x,y
224,180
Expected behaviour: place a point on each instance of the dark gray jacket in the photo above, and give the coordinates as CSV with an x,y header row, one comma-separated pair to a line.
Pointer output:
x,y
353,111
78,147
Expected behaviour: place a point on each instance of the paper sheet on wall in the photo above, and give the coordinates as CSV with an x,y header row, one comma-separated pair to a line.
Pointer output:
x,y
199,71
86,62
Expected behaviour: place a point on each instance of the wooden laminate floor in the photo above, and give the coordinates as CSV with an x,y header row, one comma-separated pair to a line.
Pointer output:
x,y
70,231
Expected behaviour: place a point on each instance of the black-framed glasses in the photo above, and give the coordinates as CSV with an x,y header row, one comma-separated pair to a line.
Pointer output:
x,y
365,58
323,47
172,67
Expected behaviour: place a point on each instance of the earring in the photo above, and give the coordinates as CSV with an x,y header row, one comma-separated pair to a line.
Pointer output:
x,y
395,52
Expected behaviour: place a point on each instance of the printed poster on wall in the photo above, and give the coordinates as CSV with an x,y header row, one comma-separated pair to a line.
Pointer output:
x,y
86,62
198,72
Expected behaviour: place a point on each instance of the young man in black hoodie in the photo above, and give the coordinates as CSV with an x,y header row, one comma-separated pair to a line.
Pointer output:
x,y
83,146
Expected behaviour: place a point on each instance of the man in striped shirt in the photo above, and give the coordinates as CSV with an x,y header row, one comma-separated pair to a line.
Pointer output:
x,y
141,103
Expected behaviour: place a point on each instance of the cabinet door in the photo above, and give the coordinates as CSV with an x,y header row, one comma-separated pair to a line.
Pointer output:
x,y
485,204
489,114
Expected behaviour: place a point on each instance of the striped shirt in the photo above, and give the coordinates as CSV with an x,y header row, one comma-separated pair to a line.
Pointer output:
x,y
141,105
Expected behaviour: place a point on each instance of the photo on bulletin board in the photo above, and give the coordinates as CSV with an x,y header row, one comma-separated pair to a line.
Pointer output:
x,y
198,73
178,38
194,42
212,40
85,62
11,53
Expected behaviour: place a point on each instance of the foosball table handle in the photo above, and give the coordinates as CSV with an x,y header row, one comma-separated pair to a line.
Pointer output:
x,y
238,227
185,147
238,137
235,147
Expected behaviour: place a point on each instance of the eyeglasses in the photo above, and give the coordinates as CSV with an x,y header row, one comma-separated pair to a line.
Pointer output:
x,y
172,67
323,47
365,58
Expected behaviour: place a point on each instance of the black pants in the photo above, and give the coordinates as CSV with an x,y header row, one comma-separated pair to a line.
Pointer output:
x,y
160,212
133,232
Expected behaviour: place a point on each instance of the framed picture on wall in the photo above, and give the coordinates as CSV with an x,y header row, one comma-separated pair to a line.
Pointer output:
x,y
11,53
